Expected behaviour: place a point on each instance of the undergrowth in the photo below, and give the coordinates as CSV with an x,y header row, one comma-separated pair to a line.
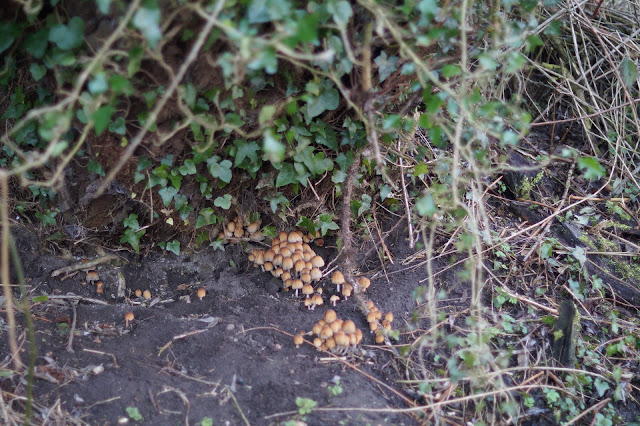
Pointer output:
x,y
334,115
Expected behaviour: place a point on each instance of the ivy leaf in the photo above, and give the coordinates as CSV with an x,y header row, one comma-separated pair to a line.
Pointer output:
x,y
592,167
287,175
326,223
37,71
36,44
327,100
266,114
629,72
386,65
70,36
223,202
187,168
167,193
307,224
384,192
246,150
220,170
131,222
103,6
180,200
274,202
206,216
119,84
117,126
98,85
341,11
101,118
8,34
95,167
133,238
601,386
174,247
147,22
426,206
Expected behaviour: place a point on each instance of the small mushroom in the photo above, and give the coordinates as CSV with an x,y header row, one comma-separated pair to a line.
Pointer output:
x,y
295,237
253,227
317,328
268,266
349,327
386,324
334,299
373,326
201,293
128,317
358,334
371,316
317,342
99,287
319,242
330,316
146,294
326,332
370,304
297,285
269,255
341,339
277,272
286,275
364,283
256,236
277,260
317,300
287,263
298,340
138,292
317,261
336,325
316,274
379,338
338,279
283,236
308,303
92,277
389,317
331,343
307,290
346,291
319,290
299,266
238,233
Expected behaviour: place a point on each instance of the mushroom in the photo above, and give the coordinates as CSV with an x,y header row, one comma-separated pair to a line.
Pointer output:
x,y
269,255
277,260
201,293
238,233
373,326
330,316
349,327
336,325
334,299
138,292
317,300
295,237
371,316
268,266
353,339
307,256
346,291
389,317
299,266
128,317
319,290
99,287
326,332
256,236
370,304
386,324
331,343
305,277
251,257
283,236
277,272
92,277
286,275
297,285
259,258
287,263
298,340
288,283
308,303
337,278
319,242
146,294
307,290
317,328
317,261
358,335
253,227
285,252
317,342
341,339
379,338
364,283
296,257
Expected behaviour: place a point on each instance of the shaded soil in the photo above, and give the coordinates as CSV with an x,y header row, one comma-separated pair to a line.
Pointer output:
x,y
183,359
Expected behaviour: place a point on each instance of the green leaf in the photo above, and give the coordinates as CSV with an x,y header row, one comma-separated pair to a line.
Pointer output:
x,y
187,168
147,21
36,44
307,224
174,247
167,193
629,72
70,36
120,84
103,6
426,206
287,175
450,70
266,114
326,223
101,118
341,11
95,167
98,84
386,65
246,150
118,126
180,200
223,202
327,100
220,170
133,238
601,386
134,414
136,54
273,149
593,170
131,222
384,192
8,33
37,71
206,217
275,201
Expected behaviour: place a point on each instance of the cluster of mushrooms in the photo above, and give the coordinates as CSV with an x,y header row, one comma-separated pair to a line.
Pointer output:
x,y
337,278
333,334
378,325
238,229
94,278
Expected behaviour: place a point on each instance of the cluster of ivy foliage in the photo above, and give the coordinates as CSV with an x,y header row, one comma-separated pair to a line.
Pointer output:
x,y
297,91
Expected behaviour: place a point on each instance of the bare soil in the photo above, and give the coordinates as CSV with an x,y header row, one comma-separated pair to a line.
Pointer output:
x,y
229,357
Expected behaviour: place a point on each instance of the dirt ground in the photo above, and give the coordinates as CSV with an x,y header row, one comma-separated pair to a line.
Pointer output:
x,y
229,357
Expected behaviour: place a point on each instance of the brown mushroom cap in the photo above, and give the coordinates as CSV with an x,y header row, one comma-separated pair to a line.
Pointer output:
x,y
331,343
307,290
286,275
138,292
389,317
337,278
371,316
306,256
238,232
341,338
297,285
283,236
386,324
288,283
128,316
379,338
364,283
92,276
334,299
277,272
305,277
298,340
317,328
231,227
317,299
253,227
269,255
330,316
146,294
346,291
201,293
373,326
268,266
99,287
277,260
349,327
287,263
326,332
358,335
285,252
370,304
317,342
318,262
336,325
299,266
308,302
294,237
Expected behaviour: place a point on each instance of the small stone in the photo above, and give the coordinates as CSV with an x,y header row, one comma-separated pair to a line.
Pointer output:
x,y
230,327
